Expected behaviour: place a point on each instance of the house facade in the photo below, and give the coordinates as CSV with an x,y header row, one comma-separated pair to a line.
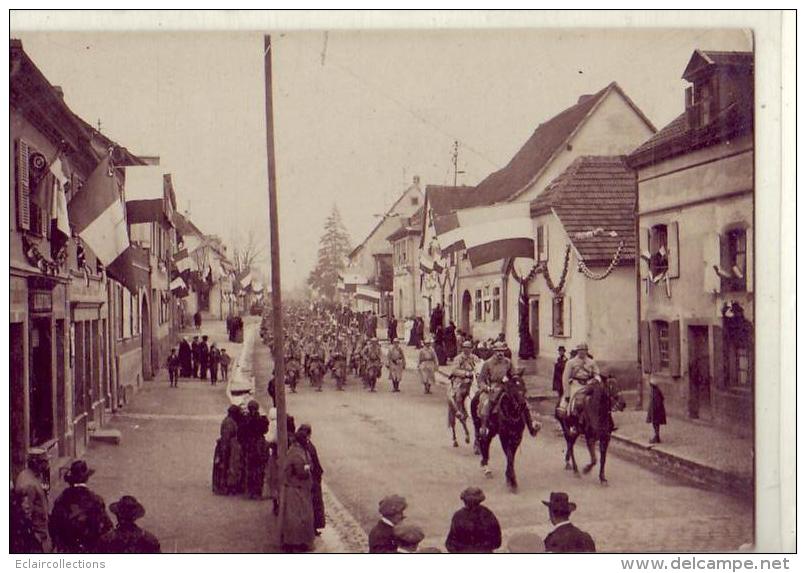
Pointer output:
x,y
695,209
406,267
370,264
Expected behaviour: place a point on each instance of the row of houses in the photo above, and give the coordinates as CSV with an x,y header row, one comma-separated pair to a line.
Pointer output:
x,y
99,285
602,229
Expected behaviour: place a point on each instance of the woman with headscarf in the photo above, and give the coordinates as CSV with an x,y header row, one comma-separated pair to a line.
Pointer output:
x,y
227,463
474,528
255,449
316,477
298,529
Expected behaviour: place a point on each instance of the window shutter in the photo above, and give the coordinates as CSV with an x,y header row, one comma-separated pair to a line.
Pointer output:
x,y
646,354
23,186
712,255
674,348
546,243
748,273
643,249
673,246
719,358
566,316
654,348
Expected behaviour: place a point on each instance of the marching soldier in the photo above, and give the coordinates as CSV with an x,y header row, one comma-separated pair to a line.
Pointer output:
x,y
316,366
339,365
396,361
427,365
292,366
374,362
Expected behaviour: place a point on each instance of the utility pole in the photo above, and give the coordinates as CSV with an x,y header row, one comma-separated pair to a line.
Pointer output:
x,y
455,161
276,300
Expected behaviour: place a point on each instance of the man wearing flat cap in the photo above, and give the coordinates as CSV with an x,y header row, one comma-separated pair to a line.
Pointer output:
x,y
474,528
382,536
408,538
79,518
579,371
127,537
565,537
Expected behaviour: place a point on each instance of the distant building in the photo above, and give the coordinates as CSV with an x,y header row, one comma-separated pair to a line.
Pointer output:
x,y
695,209
370,263
406,287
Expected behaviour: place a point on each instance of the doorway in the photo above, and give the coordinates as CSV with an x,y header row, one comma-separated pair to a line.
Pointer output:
x,y
534,324
41,382
699,377
145,340
467,305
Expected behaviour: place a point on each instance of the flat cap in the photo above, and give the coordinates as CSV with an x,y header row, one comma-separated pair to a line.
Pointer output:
x,y
408,534
391,505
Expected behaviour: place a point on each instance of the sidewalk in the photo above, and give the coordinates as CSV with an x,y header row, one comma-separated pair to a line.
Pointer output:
x,y
691,450
165,460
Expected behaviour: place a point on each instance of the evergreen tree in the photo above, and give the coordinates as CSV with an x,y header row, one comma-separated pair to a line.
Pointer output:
x,y
334,246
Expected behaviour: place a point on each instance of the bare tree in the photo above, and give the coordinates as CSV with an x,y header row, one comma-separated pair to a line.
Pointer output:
x,y
248,250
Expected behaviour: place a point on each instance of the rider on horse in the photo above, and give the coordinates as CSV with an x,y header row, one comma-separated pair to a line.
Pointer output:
x,y
491,381
579,372
462,376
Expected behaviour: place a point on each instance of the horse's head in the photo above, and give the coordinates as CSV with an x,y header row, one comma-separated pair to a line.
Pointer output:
x,y
614,396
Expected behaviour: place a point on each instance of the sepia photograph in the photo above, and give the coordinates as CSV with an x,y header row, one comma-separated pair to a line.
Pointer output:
x,y
311,289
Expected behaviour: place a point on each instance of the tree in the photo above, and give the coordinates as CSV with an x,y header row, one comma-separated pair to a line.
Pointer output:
x,y
247,251
334,246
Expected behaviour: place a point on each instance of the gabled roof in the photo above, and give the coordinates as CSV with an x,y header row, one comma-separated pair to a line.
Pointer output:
x,y
410,226
444,198
594,198
702,59
390,212
185,226
545,143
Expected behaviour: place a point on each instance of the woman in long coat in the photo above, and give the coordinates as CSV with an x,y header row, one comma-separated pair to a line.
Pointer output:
x,y
185,365
316,477
255,449
439,346
227,463
656,412
450,341
298,525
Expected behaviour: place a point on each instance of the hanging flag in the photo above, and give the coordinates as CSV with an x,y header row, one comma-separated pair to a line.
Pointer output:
x,y
131,269
98,216
59,218
178,283
182,261
246,280
191,243
449,233
426,262
496,232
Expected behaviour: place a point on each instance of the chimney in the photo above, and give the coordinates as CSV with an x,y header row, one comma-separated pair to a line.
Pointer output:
x,y
584,98
59,91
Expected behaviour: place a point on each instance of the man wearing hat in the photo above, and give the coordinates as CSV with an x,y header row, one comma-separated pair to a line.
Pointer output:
x,y
30,485
127,537
565,537
396,362
462,374
79,518
408,538
474,528
491,380
373,359
427,364
579,370
559,368
382,536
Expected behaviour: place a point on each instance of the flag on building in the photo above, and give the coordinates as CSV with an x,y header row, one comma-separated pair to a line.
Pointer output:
x,y
131,269
182,261
59,217
98,216
178,283
492,232
449,233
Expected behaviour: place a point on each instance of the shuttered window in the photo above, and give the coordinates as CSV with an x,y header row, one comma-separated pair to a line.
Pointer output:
x,y
23,185
496,303
646,351
561,317
662,329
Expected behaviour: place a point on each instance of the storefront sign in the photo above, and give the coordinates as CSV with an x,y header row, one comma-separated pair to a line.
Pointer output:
x,y
41,301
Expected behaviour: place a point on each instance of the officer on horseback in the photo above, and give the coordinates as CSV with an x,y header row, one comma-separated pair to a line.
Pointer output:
x,y
579,371
462,375
491,381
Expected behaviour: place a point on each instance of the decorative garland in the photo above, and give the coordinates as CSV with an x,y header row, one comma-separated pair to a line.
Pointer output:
x,y
40,261
557,289
583,268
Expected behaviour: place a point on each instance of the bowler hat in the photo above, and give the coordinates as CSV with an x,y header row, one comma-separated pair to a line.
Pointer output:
x,y
472,495
408,534
558,502
127,508
391,505
79,472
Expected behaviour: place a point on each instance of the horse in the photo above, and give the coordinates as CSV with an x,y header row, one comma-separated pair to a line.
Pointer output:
x,y
594,422
507,420
457,410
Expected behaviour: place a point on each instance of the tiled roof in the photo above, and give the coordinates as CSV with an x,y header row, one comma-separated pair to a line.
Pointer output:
x,y
701,59
444,199
410,226
594,192
537,152
675,129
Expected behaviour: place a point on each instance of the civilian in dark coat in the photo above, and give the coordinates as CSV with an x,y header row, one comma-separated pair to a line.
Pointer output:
x,y
565,537
194,354
228,456
23,538
656,412
474,528
559,368
391,328
215,359
185,360
79,518
251,435
451,344
204,358
127,537
197,320
316,477
382,536
439,346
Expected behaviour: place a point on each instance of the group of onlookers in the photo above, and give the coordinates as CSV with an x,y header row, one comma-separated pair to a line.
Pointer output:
x,y
196,359
79,522
475,529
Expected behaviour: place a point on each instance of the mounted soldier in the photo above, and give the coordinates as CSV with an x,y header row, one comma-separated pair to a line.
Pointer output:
x,y
462,378
579,372
491,381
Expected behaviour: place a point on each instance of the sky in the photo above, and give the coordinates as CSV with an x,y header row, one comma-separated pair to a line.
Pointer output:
x,y
357,114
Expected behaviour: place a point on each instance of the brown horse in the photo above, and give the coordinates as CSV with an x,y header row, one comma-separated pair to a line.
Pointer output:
x,y
508,419
591,419
457,409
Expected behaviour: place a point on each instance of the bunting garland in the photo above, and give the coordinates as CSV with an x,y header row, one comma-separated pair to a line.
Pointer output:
x,y
583,268
558,289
